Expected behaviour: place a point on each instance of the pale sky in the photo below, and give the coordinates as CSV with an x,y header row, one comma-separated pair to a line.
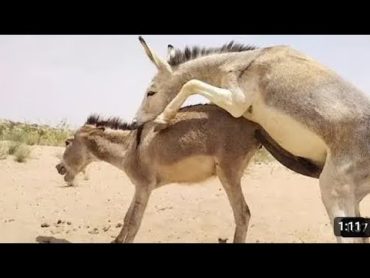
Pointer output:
x,y
45,79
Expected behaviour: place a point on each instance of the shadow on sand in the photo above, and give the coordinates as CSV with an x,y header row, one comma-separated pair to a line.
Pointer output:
x,y
50,239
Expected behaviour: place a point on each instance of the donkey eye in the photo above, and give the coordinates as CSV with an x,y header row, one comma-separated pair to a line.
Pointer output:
x,y
151,93
67,142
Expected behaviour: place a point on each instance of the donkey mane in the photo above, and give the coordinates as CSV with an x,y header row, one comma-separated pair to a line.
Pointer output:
x,y
119,124
112,122
184,108
182,56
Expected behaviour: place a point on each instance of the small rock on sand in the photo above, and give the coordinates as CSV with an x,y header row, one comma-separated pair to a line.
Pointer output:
x,y
222,240
119,225
59,221
106,228
95,231
69,223
44,225
9,220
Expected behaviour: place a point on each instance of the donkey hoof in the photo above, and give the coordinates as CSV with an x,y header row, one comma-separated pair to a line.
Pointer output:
x,y
116,240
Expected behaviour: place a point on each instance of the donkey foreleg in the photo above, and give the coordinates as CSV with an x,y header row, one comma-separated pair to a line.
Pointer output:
x,y
233,101
133,217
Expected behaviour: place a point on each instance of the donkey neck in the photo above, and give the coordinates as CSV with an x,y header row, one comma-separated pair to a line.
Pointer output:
x,y
206,69
113,146
212,68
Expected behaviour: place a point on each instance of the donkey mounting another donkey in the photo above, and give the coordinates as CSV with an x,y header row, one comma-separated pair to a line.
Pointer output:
x,y
306,108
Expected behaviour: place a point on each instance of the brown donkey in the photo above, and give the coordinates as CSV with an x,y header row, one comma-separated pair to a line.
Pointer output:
x,y
203,141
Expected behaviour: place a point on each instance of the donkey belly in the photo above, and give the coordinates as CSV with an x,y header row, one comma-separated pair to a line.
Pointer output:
x,y
188,170
290,134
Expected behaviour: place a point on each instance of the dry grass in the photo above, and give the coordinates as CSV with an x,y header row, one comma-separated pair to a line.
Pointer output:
x,y
4,150
32,134
22,153
262,157
12,147
15,138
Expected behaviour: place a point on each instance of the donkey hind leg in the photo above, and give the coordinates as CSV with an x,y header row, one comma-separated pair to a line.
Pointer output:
x,y
241,212
359,197
233,101
338,193
134,216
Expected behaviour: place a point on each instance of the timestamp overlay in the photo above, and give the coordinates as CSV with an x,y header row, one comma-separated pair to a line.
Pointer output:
x,y
352,226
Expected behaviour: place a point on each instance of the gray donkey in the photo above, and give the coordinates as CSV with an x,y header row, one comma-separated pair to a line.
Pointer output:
x,y
306,108
203,141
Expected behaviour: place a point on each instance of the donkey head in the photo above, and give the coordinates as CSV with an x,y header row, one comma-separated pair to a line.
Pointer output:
x,y
162,89
76,157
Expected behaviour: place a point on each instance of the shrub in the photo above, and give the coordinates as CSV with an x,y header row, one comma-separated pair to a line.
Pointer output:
x,y
12,147
22,153
4,149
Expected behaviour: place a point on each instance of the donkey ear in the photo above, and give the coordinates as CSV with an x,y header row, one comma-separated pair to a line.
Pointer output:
x,y
170,52
160,63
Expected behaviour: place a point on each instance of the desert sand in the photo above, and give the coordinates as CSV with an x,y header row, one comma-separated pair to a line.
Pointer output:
x,y
285,206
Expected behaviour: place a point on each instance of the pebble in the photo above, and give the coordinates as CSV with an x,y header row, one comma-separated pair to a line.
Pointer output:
x,y
69,223
95,231
9,220
222,240
119,225
106,228
44,225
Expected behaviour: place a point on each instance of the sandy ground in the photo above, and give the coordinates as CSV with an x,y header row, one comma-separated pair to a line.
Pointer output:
x,y
285,206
